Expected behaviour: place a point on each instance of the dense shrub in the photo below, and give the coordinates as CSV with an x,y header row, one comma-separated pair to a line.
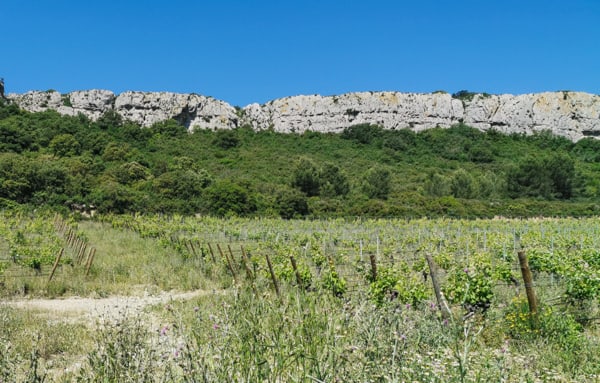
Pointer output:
x,y
225,198
547,177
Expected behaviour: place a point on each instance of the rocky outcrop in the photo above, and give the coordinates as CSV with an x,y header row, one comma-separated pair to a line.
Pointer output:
x,y
334,113
574,115
570,114
192,110
144,108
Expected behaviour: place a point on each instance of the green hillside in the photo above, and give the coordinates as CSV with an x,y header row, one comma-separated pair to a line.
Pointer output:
x,y
53,160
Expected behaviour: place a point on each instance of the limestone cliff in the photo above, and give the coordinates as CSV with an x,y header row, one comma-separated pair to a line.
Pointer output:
x,y
574,115
144,108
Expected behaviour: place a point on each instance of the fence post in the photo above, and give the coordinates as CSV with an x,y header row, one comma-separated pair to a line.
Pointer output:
x,y
446,313
275,284
224,255
233,260
212,253
373,266
90,260
528,280
191,246
245,262
295,267
81,252
62,250
248,271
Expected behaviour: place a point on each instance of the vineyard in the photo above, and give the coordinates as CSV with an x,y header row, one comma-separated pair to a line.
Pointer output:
x,y
324,300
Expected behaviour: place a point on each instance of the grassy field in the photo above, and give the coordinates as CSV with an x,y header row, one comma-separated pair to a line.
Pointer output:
x,y
333,320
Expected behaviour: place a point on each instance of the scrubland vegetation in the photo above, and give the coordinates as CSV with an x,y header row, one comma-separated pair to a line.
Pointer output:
x,y
52,160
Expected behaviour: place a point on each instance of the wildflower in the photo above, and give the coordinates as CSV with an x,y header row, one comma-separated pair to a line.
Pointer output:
x,y
216,326
168,307
196,309
408,306
163,330
177,351
466,270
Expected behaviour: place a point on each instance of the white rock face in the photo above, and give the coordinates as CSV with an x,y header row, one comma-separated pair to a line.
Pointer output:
x,y
391,110
193,111
35,101
574,115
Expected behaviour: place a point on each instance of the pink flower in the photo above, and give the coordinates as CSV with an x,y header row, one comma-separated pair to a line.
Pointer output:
x,y
216,326
163,330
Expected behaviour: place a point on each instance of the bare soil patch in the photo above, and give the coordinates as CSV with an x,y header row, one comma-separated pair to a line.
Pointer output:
x,y
109,308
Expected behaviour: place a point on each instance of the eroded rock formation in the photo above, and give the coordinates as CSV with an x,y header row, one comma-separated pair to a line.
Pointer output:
x,y
574,115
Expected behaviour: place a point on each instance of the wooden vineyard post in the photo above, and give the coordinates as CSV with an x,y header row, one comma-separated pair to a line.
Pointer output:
x,y
373,267
295,267
528,280
224,255
62,250
191,246
81,252
232,259
446,313
90,260
275,284
245,262
248,271
212,253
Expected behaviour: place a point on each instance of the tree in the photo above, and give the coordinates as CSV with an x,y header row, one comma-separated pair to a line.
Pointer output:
x,y
306,177
182,184
130,172
116,151
169,128
292,204
376,182
115,198
64,145
463,185
436,185
333,182
226,198
13,137
562,173
363,133
110,119
226,139
547,177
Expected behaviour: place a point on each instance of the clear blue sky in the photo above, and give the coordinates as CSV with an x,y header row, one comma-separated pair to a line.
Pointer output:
x,y
255,51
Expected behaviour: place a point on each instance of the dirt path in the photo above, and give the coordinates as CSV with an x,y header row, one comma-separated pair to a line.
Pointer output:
x,y
90,309
93,312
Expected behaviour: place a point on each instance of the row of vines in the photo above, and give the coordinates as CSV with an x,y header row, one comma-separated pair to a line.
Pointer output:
x,y
35,245
386,258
